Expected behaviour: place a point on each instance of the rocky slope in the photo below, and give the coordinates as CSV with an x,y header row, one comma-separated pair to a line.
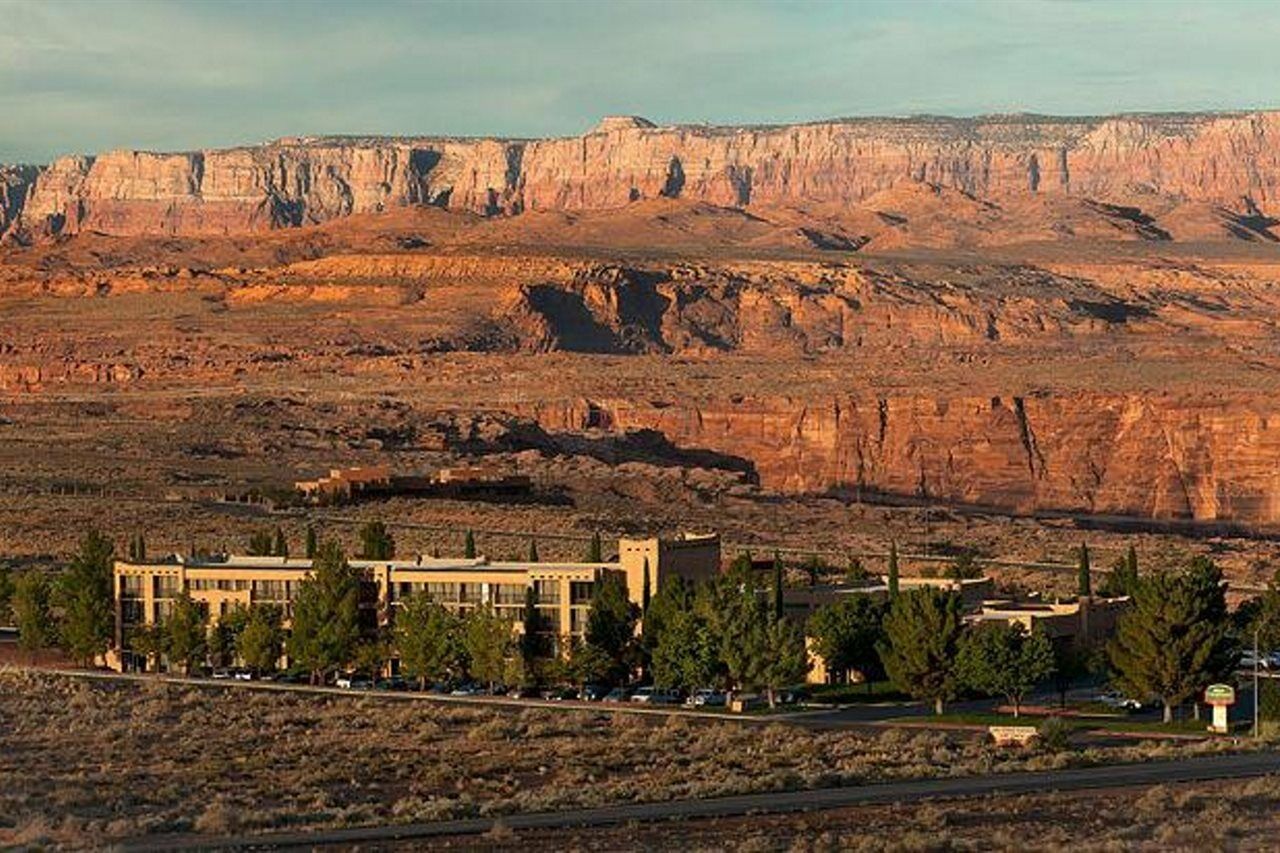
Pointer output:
x,y
1128,169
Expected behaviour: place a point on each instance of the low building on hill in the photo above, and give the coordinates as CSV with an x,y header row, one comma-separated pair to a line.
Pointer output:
x,y
799,601
343,483
1087,621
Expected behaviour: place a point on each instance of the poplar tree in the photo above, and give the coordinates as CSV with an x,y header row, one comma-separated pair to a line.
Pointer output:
x,y
922,634
311,543
376,542
645,590
777,586
261,544
845,635
281,545
893,569
469,546
595,551
1084,579
533,550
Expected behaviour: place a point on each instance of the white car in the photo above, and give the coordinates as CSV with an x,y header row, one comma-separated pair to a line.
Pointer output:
x,y
1263,660
654,696
706,699
1120,701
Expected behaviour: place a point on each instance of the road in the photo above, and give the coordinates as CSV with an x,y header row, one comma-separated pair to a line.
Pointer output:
x,y
1112,776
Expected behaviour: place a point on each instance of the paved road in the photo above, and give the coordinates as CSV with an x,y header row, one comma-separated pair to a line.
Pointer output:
x,y
1113,776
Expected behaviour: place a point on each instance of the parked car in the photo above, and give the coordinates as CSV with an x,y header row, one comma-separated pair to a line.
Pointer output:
x,y
469,689
395,683
655,696
1264,660
1114,699
617,694
221,674
243,675
562,694
526,692
594,692
353,682
706,698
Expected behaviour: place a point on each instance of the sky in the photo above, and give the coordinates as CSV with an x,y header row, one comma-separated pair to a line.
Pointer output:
x,y
104,74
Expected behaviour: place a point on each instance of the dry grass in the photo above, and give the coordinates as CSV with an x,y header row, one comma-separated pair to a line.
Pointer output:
x,y
84,760
1242,815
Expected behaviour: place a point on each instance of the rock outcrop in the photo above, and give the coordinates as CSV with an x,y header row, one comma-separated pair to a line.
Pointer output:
x,y
1228,161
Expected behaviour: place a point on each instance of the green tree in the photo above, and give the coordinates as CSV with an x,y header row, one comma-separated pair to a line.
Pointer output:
x,y
1001,659
533,640
1175,639
813,567
785,660
280,547
595,551
1123,579
742,563
326,620
777,586
645,590
137,549
376,543
846,633
685,655
1084,573
33,612
964,567
311,543
224,636
611,621
83,593
261,642
261,544
488,640
533,550
429,640
371,655
185,633
590,664
922,635
1263,616
893,569
469,546
855,573
148,642
7,587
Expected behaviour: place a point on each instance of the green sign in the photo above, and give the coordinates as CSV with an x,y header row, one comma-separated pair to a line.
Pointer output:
x,y
1220,694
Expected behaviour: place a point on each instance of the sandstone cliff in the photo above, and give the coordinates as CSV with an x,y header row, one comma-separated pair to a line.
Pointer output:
x,y
1231,162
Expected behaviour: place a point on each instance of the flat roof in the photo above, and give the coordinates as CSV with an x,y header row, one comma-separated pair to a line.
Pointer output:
x,y
422,563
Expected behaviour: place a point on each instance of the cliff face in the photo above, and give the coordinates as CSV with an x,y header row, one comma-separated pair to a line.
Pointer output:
x,y
1201,459
1228,160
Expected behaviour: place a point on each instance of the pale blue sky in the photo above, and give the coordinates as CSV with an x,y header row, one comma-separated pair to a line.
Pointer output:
x,y
89,76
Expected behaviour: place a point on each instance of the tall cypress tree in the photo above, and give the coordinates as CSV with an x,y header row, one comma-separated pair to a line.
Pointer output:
x,y
311,543
645,590
281,545
469,546
595,553
893,569
1084,580
533,550
777,586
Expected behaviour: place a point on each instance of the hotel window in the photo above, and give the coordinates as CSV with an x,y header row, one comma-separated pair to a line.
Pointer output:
x,y
580,592
509,593
165,586
471,593
131,587
548,591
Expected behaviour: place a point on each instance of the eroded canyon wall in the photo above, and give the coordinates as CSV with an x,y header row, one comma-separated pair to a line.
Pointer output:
x,y
1228,159
1208,459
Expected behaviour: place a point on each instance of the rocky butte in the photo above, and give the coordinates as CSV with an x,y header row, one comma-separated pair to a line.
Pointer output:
x,y
1147,164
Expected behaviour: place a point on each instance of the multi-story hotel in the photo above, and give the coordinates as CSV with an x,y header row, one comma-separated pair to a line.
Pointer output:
x,y
144,592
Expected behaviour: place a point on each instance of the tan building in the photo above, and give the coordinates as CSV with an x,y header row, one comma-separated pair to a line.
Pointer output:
x,y
1088,620
144,592
799,601
692,556
343,482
